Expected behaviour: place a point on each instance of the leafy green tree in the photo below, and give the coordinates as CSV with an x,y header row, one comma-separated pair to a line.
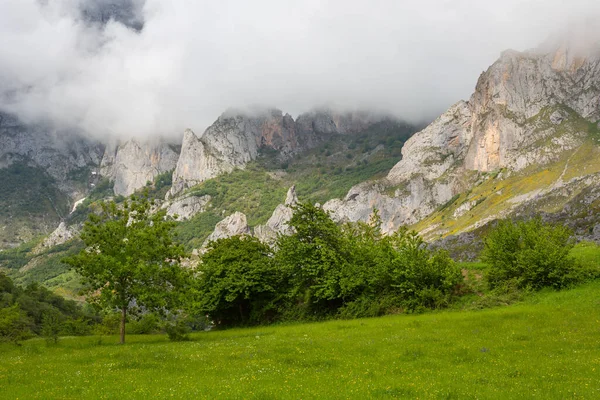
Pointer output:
x,y
236,281
131,257
314,259
532,253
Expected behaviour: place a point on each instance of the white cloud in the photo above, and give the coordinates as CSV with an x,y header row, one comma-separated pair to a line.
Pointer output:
x,y
193,59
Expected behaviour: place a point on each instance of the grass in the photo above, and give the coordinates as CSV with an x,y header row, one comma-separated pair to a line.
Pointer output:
x,y
546,347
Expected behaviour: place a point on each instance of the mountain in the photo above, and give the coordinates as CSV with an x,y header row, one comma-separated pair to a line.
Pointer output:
x,y
526,142
43,171
528,134
236,138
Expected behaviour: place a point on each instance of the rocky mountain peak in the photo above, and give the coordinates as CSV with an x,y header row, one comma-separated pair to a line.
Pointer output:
x,y
237,137
233,225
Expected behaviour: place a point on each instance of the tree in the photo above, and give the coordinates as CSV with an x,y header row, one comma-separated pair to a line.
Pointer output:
x,y
236,280
531,253
131,258
314,259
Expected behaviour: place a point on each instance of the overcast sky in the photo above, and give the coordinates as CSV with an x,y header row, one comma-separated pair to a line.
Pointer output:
x,y
194,58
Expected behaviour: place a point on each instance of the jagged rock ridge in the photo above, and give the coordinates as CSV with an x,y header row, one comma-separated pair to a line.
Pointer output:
x,y
236,138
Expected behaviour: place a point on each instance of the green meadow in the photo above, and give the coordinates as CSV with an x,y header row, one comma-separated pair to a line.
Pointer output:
x,y
547,347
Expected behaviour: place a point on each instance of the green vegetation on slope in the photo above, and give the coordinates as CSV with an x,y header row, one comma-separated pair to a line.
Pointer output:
x,y
32,204
28,264
545,348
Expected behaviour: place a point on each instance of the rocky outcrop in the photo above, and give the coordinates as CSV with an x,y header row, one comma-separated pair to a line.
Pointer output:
x,y
231,142
278,223
528,109
61,235
186,207
130,165
235,224
237,137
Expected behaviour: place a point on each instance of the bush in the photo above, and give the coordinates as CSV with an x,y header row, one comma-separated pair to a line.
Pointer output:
x,y
14,324
177,328
532,253
147,323
51,326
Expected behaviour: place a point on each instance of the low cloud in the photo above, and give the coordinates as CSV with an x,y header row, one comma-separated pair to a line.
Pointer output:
x,y
158,66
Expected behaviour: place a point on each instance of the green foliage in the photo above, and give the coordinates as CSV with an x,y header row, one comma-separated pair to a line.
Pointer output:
x,y
144,324
51,326
236,281
14,324
322,271
313,259
44,312
532,253
358,268
130,256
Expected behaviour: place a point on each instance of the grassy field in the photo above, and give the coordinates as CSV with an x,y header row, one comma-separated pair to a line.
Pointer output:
x,y
546,347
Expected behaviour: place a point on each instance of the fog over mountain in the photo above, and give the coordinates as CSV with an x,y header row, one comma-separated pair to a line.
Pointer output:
x,y
155,67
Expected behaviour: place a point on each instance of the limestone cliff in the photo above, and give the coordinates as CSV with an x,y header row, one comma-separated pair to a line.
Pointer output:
x,y
529,110
133,163
237,137
235,224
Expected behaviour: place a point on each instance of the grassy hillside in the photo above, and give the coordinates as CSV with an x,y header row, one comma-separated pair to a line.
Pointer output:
x,y
546,347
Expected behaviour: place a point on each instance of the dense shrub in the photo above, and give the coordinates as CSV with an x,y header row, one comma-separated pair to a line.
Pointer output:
x,y
532,253
323,270
236,282
14,324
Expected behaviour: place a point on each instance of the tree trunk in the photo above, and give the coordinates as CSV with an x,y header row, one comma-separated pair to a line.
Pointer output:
x,y
122,330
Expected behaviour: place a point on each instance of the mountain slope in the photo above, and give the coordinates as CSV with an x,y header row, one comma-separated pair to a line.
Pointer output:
x,y
529,130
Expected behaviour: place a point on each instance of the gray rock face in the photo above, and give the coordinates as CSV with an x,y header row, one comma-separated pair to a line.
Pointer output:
x,y
186,207
61,235
127,12
59,153
235,224
231,142
278,223
236,138
132,164
520,115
